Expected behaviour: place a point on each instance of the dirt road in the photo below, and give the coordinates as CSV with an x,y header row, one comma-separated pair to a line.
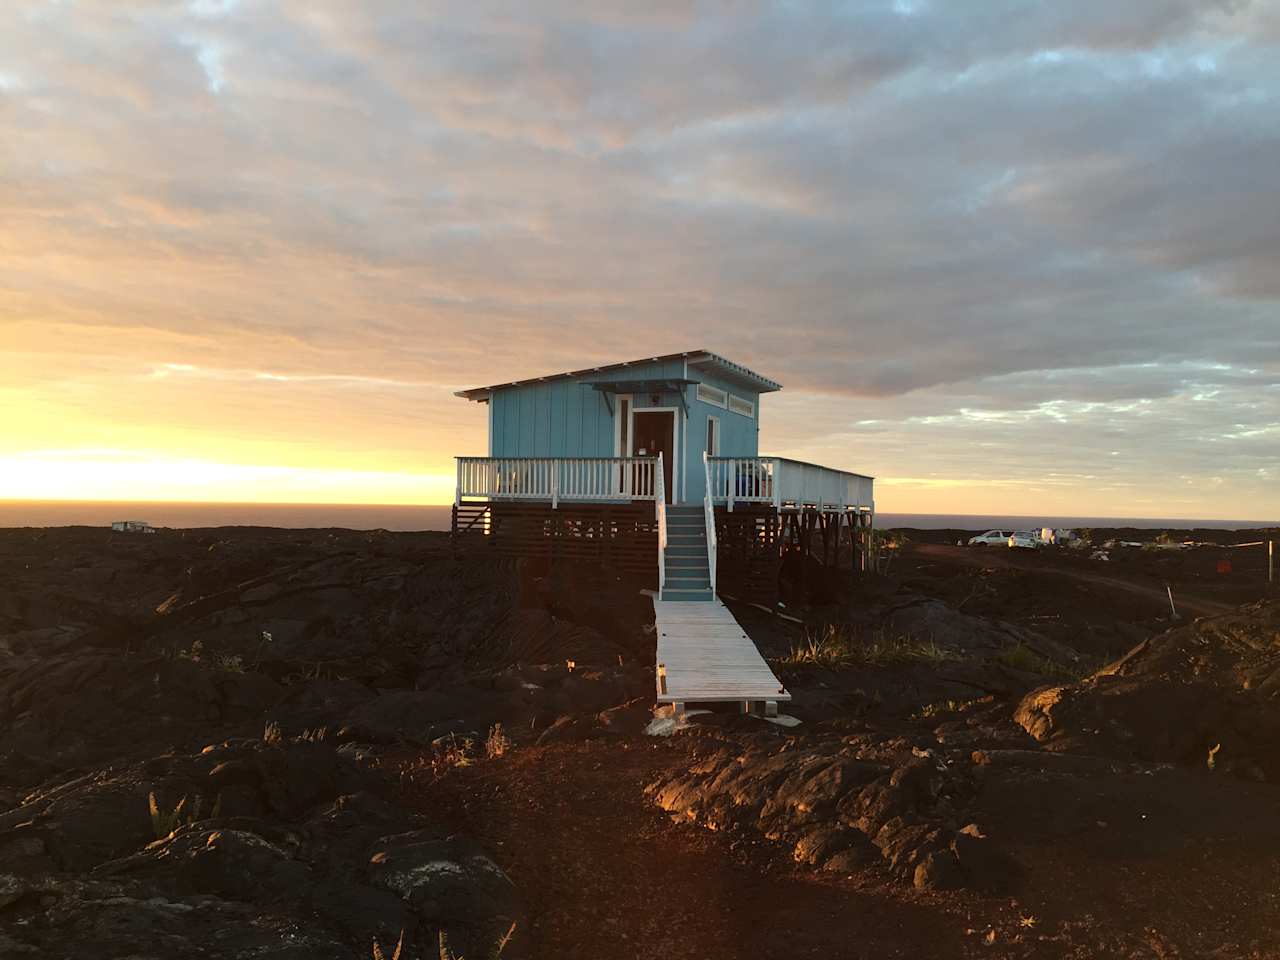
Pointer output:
x,y
1005,558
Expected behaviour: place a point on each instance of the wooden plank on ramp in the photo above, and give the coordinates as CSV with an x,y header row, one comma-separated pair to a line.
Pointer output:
x,y
707,656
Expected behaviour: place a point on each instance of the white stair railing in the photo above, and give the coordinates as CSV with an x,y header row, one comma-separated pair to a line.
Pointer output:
x,y
709,517
660,514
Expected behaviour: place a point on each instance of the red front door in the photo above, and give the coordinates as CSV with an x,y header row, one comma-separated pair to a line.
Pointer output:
x,y
654,433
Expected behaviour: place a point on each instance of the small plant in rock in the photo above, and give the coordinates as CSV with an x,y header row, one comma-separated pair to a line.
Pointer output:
x,y
229,662
192,653
1027,660
446,754
164,822
379,955
454,751
497,743
272,732
941,708
494,953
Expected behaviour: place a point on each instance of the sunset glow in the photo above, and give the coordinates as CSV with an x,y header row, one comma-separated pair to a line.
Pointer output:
x,y
251,250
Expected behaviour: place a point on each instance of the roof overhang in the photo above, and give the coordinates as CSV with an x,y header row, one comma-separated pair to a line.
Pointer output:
x,y
674,385
695,359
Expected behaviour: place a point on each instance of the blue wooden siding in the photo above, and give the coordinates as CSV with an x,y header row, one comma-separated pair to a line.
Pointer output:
x,y
568,418
739,435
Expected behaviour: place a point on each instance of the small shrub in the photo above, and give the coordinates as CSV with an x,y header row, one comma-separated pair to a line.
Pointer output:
x,y
230,662
837,646
1027,660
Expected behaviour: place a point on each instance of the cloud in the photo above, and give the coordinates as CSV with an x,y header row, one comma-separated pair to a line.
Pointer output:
x,y
936,223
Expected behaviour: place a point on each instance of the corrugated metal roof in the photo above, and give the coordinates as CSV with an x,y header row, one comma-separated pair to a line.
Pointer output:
x,y
699,358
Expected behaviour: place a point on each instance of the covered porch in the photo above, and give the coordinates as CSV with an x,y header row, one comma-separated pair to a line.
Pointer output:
x,y
785,484
751,514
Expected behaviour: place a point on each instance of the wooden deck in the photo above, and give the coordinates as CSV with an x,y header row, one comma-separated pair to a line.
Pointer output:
x,y
708,657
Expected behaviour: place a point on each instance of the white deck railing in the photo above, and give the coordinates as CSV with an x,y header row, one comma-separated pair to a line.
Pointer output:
x,y
559,478
786,484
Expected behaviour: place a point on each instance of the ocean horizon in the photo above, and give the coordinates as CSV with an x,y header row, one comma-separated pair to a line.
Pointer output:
x,y
408,517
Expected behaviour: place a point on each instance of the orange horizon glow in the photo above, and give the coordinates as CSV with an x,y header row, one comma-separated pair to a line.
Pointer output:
x,y
118,477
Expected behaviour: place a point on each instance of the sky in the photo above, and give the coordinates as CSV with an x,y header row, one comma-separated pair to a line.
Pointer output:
x,y
1008,257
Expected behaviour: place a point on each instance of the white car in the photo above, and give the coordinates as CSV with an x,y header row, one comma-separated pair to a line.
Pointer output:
x,y
1025,539
990,539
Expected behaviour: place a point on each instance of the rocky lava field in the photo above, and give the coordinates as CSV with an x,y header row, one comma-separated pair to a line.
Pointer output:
x,y
249,742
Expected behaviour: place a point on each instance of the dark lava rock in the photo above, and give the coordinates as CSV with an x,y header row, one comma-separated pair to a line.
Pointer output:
x,y
981,862
1197,695
418,717
88,706
833,800
236,864
939,870
452,885
289,843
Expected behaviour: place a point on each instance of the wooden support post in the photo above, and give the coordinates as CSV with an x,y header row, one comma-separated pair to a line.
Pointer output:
x,y
853,546
1271,561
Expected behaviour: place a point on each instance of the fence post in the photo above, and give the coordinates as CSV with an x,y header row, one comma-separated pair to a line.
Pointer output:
x,y
1271,561
555,485
457,490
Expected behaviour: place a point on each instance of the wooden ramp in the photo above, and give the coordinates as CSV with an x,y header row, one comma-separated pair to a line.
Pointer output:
x,y
706,656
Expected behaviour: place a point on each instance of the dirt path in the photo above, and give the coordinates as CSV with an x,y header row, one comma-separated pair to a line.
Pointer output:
x,y
604,873
1006,558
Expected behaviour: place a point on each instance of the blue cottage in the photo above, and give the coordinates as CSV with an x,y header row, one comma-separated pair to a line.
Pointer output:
x,y
677,407
603,463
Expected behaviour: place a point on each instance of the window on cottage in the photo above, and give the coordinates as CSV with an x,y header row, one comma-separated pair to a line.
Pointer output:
x,y
713,436
711,395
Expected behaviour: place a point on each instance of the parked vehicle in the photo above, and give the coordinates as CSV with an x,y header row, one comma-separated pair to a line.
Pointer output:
x,y
1024,539
990,539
